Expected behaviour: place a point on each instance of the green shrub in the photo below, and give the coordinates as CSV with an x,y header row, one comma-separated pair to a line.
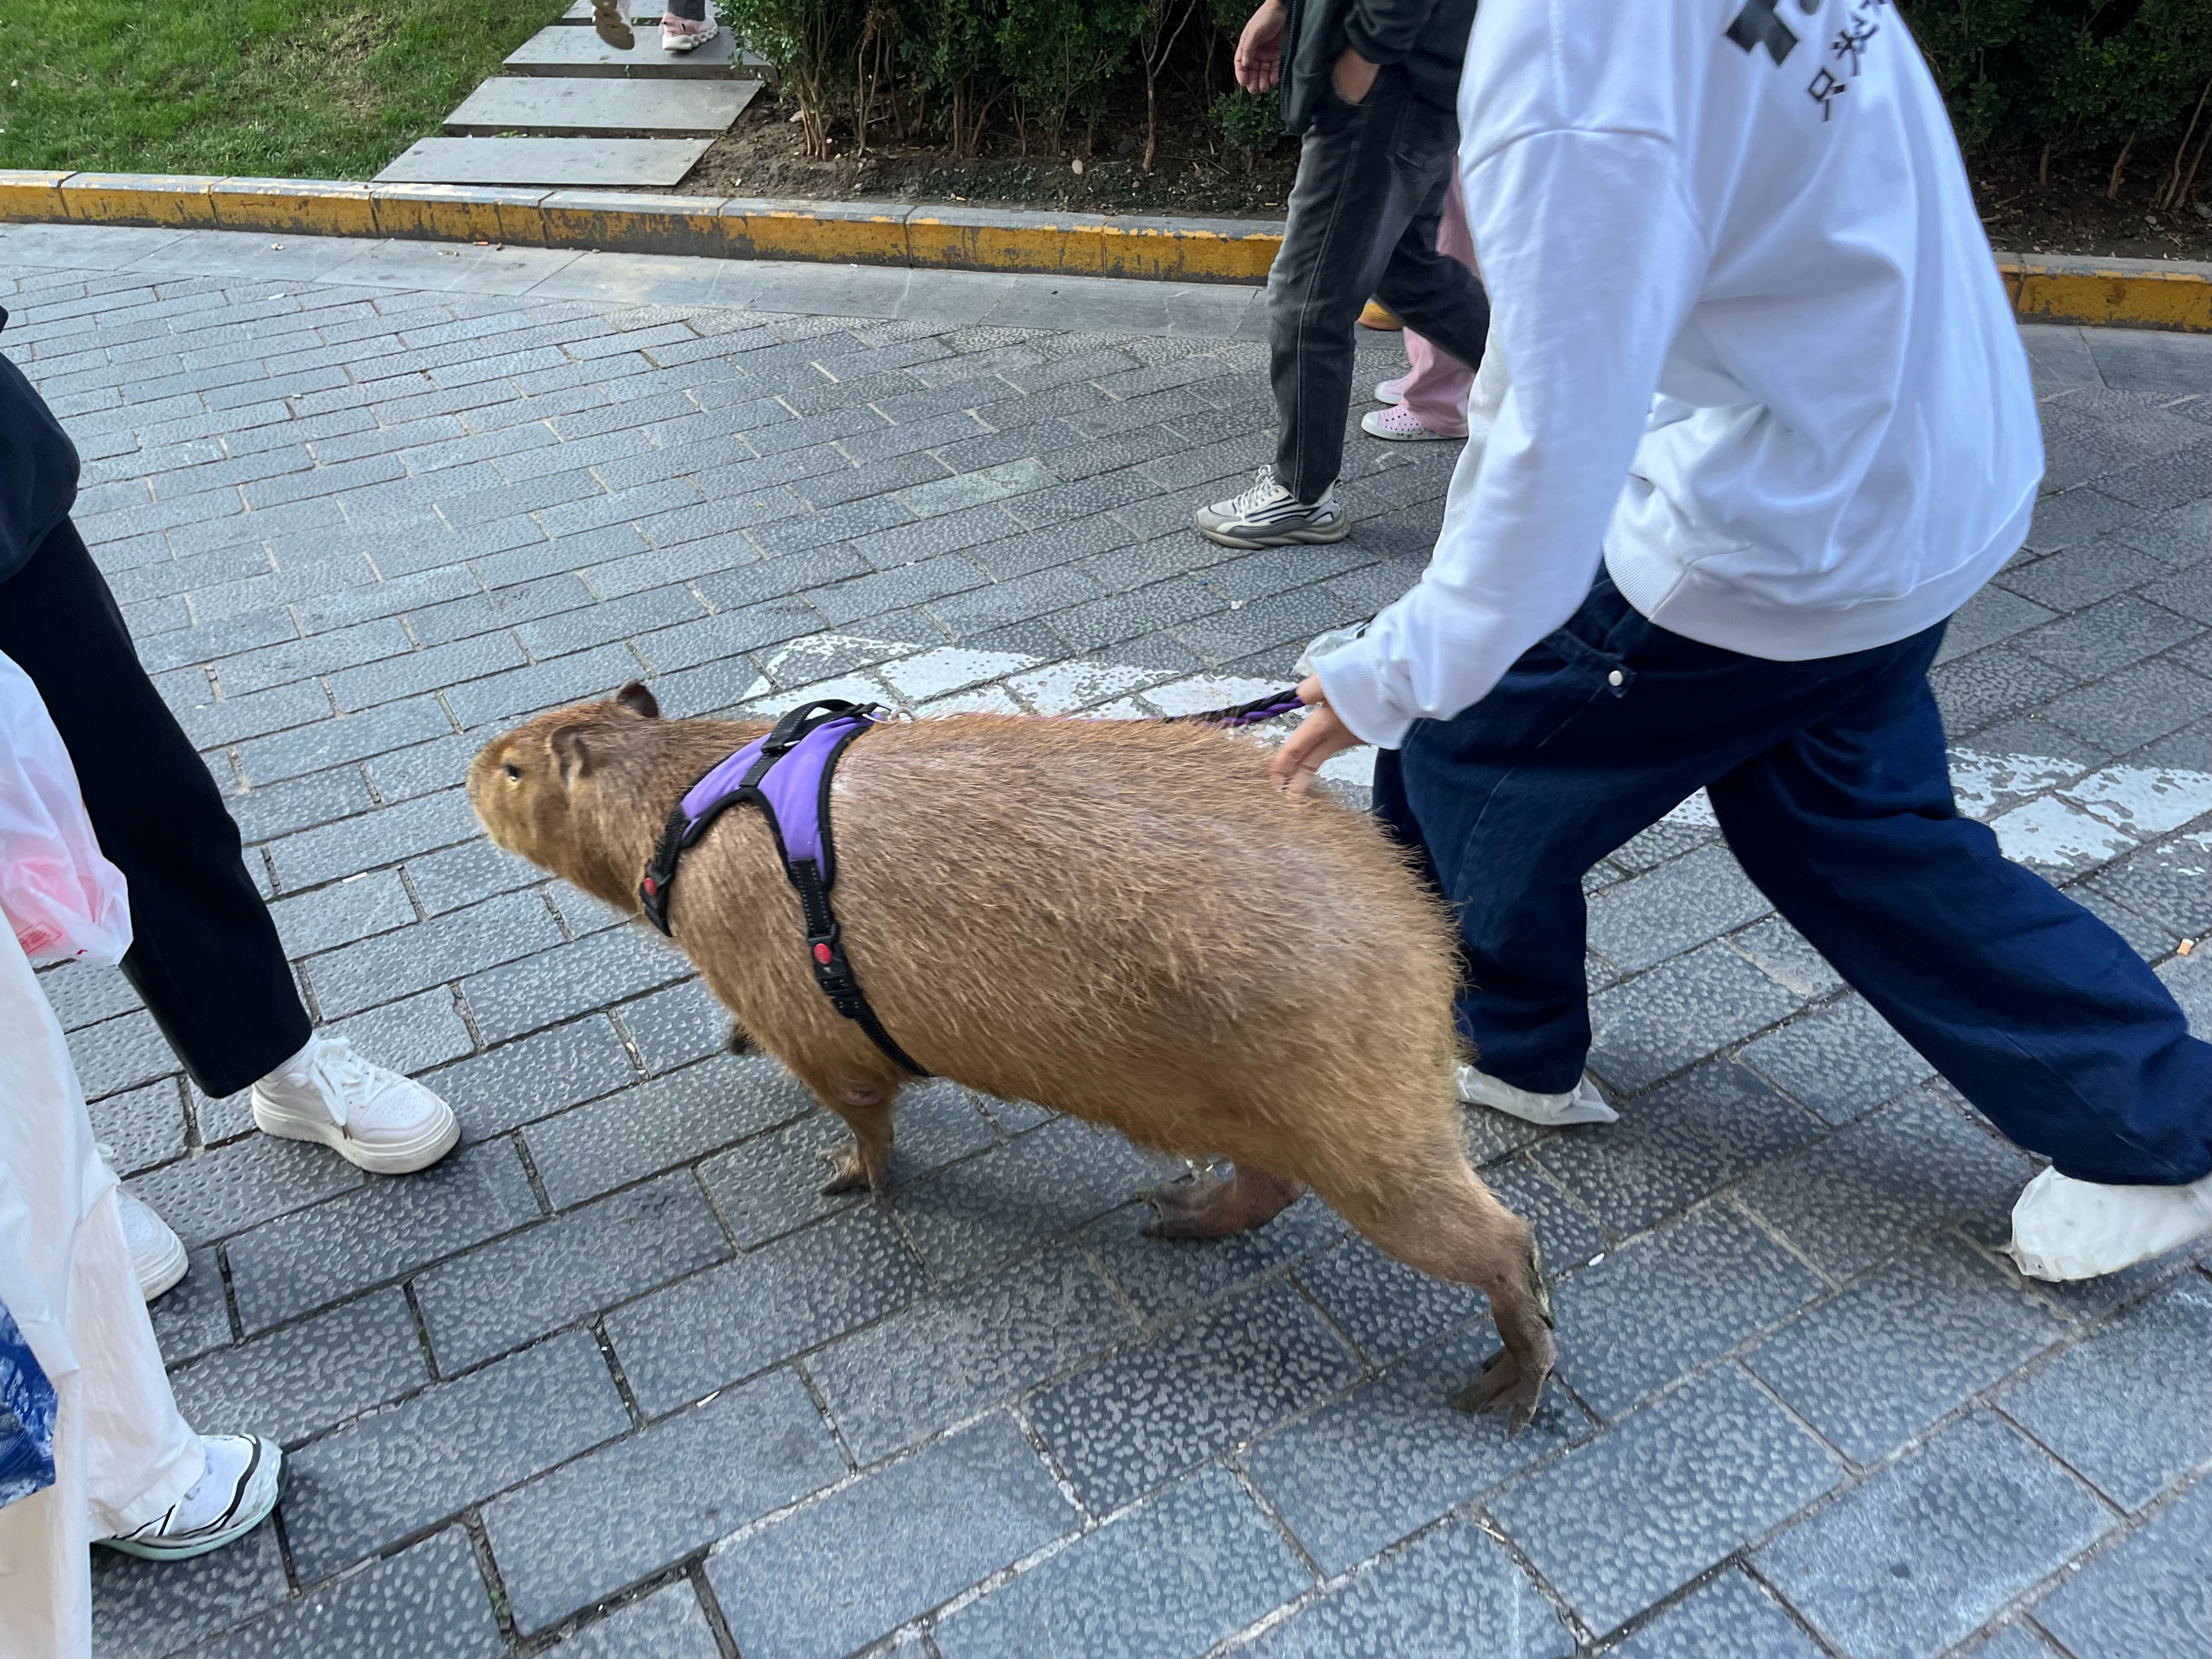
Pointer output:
x,y
1251,122
1062,57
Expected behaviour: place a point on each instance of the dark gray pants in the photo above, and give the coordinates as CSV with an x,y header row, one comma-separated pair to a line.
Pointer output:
x,y
1364,212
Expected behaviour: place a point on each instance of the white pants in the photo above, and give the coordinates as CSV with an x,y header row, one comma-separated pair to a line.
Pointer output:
x,y
122,1453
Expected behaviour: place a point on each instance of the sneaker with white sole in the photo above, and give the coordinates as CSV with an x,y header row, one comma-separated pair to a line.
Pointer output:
x,y
683,34
1392,392
157,1255
1269,515
2064,1228
1399,424
233,1496
1580,1104
374,1119
610,25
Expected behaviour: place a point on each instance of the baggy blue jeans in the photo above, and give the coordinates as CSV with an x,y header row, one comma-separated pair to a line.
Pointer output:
x,y
1830,782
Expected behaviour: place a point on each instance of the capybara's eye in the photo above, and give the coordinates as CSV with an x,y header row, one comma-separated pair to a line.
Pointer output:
x,y
513,772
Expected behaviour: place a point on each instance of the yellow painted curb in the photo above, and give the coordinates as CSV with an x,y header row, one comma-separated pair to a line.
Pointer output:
x,y
953,236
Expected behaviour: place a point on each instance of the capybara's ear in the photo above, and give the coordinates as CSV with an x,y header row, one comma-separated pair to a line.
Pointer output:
x,y
639,701
571,753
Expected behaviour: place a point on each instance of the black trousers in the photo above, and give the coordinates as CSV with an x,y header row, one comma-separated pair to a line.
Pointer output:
x,y
204,956
1362,221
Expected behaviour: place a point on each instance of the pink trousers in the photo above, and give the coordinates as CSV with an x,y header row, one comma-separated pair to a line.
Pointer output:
x,y
1436,389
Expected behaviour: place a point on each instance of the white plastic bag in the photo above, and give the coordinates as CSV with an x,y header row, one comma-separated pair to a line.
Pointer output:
x,y
64,900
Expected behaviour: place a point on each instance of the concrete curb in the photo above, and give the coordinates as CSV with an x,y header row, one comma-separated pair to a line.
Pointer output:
x,y
2045,288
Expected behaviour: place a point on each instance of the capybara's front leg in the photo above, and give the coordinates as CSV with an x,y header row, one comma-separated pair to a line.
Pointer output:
x,y
866,1161
1467,1235
1249,1198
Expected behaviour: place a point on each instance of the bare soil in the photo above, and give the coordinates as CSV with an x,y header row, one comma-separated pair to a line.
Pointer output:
x,y
1196,174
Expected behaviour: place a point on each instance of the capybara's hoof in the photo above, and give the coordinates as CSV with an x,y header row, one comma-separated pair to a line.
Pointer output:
x,y
1505,1384
1190,1209
739,1042
850,1175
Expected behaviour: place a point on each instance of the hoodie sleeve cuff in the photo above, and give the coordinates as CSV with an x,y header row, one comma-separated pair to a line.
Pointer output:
x,y
1352,679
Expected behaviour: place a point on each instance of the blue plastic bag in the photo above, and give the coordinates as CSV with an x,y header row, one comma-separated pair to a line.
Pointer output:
x,y
26,1417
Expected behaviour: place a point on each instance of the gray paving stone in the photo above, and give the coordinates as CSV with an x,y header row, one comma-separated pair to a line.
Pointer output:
x,y
2150,1593
230,1188
1172,1578
2130,1408
358,1490
1664,1303
2166,884
195,1316
675,1026
382,837
1616,1525
665,1624
141,1611
945,1359
1903,1346
1164,1276
538,1075
428,1599
975,1215
928,1527
567,1269
1870,1188
2015,1641
1840,1061
595,1148
386,1228
1385,1307
802,1290
1366,1471
1728,1619
1640,923
765,1186
561,1545
1153,1410
376,901
2108,636
573,163
2133,706
1675,1145
82,993
141,1127
122,1053
1993,685
305,1378
570,980
1914,1560
1680,1012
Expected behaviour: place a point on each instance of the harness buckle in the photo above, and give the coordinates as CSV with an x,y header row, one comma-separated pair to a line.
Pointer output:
x,y
825,953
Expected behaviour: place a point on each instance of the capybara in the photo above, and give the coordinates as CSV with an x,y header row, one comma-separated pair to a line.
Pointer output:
x,y
1122,920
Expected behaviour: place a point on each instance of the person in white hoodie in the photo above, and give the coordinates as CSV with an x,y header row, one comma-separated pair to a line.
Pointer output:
x,y
1771,423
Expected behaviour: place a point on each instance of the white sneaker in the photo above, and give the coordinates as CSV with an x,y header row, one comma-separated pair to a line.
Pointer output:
x,y
2065,1229
1392,392
157,1255
1581,1104
1400,425
682,35
374,1119
1268,515
233,1496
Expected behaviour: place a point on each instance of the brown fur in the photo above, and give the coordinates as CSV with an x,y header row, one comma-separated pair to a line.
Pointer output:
x,y
1119,919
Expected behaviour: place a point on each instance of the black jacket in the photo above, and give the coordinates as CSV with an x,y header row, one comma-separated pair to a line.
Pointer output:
x,y
37,468
1428,37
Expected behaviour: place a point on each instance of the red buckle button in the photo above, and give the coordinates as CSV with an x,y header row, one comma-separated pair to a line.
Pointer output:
x,y
823,955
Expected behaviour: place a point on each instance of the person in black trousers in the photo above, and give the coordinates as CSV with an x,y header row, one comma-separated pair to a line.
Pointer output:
x,y
205,957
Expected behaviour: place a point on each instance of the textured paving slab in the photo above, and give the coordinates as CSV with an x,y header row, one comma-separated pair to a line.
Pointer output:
x,y
617,1381
569,51
578,163
546,107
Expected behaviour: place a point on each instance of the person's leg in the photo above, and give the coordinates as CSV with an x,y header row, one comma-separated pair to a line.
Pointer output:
x,y
2040,1014
1435,392
205,957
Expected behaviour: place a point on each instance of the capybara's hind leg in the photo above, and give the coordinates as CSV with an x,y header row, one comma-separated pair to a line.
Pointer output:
x,y
865,1160
1249,1198
1465,1234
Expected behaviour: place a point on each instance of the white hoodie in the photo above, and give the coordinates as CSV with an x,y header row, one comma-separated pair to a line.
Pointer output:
x,y
1761,357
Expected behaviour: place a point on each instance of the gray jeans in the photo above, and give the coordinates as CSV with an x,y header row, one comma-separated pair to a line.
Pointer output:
x,y
1364,212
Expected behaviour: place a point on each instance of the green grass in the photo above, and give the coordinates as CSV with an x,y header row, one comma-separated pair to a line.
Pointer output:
x,y
291,88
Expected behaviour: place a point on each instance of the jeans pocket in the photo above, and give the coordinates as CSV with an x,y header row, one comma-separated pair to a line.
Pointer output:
x,y
1607,669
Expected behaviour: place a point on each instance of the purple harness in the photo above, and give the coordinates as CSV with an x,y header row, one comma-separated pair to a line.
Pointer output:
x,y
787,774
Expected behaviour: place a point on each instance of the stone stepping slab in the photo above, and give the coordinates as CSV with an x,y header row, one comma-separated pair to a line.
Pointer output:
x,y
541,107
644,11
573,53
575,163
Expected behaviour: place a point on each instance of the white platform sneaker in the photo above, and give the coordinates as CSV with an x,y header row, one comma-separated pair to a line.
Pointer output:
x,y
374,1118
2064,1229
157,1255
1580,1104
233,1496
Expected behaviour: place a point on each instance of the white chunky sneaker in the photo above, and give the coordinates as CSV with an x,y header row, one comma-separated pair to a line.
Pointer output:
x,y
374,1119
157,1255
682,35
2065,1229
1268,515
1392,392
233,1496
1581,1104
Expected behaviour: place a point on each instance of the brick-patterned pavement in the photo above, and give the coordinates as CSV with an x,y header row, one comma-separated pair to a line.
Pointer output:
x,y
614,1380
